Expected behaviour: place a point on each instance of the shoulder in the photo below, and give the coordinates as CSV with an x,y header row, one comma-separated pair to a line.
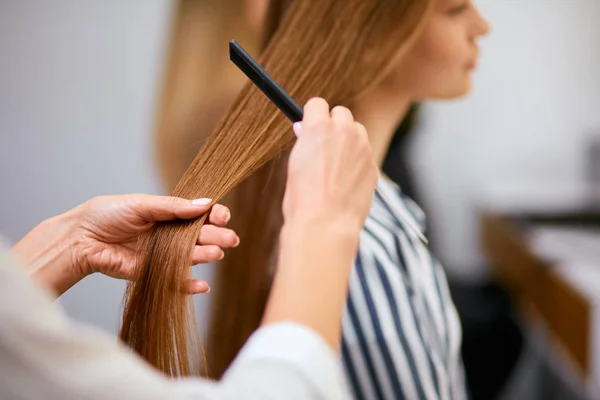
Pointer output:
x,y
395,212
394,192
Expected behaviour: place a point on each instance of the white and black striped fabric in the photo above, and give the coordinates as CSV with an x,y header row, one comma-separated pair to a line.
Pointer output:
x,y
401,332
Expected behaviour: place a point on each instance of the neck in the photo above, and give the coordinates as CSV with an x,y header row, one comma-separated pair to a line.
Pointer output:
x,y
381,112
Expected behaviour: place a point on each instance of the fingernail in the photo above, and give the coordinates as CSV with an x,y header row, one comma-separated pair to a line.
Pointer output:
x,y
237,241
227,217
297,127
201,202
222,256
201,285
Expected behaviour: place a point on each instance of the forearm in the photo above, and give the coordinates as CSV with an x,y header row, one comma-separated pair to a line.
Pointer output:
x,y
311,282
46,253
46,356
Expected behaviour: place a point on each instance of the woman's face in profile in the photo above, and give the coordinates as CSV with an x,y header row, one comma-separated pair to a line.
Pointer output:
x,y
439,63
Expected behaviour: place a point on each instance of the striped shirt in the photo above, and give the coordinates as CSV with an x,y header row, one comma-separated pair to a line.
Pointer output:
x,y
401,332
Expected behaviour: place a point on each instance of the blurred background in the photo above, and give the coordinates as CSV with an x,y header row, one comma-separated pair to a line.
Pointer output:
x,y
509,176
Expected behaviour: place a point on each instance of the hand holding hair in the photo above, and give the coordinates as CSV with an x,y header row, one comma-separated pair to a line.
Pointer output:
x,y
101,235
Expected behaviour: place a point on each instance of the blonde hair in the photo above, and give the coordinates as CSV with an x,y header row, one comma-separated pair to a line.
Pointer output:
x,y
199,83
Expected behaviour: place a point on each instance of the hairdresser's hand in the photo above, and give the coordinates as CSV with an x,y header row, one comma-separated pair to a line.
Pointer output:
x,y
101,235
331,172
331,180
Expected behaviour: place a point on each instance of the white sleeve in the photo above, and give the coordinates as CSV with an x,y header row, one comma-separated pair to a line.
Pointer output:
x,y
43,355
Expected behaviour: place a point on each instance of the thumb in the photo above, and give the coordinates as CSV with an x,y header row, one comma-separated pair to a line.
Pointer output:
x,y
166,208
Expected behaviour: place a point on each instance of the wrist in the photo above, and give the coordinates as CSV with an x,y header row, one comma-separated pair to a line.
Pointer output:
x,y
344,228
313,241
47,253
311,280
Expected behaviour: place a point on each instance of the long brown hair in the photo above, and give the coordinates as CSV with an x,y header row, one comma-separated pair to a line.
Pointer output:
x,y
335,49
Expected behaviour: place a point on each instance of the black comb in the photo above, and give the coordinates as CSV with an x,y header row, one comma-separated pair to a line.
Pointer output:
x,y
264,82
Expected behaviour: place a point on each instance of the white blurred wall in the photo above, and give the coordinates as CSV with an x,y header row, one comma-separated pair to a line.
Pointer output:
x,y
78,83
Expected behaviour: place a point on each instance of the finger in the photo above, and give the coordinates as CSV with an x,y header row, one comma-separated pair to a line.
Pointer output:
x,y
195,286
219,215
342,114
361,129
217,236
316,111
166,208
361,133
207,254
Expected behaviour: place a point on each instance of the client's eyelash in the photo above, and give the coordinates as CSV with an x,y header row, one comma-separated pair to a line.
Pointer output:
x,y
459,9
